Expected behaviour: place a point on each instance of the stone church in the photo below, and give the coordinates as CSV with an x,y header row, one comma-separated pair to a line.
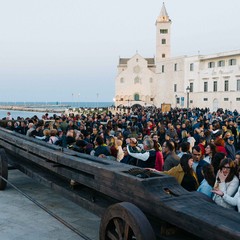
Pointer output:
x,y
191,81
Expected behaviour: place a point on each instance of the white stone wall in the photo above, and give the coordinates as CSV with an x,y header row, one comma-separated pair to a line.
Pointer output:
x,y
137,78
177,71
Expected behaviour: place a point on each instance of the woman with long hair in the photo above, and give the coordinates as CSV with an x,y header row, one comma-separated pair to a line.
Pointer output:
x,y
220,145
111,143
218,157
208,182
210,152
184,136
226,182
184,173
159,156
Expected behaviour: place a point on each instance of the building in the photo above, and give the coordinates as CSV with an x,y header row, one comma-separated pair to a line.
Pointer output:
x,y
188,81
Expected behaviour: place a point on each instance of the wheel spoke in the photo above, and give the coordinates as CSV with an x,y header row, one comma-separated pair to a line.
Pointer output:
x,y
125,221
126,232
119,227
111,235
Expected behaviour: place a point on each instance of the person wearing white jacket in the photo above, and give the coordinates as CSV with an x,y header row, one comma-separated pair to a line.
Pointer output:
x,y
226,184
233,201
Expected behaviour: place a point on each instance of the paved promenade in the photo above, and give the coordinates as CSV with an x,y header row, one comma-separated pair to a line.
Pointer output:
x,y
21,219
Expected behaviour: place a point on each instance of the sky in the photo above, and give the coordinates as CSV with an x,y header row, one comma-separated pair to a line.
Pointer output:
x,y
68,50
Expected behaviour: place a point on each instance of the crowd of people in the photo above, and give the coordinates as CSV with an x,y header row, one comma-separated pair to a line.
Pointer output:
x,y
201,149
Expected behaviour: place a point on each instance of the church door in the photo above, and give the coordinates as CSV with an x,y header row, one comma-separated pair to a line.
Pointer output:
x,y
136,97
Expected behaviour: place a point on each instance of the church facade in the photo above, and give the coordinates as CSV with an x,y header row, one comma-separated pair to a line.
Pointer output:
x,y
196,81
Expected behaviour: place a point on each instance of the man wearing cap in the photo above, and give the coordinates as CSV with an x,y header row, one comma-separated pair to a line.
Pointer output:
x,y
229,146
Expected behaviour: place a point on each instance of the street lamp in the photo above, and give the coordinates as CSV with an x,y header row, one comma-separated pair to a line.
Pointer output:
x,y
176,99
188,90
79,100
97,99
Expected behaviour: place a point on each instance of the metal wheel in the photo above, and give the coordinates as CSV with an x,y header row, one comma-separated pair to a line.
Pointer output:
x,y
124,221
3,168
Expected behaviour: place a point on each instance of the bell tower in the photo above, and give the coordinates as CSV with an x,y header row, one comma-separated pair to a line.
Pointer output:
x,y
163,35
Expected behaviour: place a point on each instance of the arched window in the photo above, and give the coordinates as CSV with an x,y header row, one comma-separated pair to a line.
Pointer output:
x,y
136,97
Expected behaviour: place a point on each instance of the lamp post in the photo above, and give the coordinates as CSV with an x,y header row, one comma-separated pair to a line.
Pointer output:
x,y
176,99
79,100
97,99
188,90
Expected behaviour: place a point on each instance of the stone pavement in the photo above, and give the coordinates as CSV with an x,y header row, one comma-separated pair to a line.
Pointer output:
x,y
21,219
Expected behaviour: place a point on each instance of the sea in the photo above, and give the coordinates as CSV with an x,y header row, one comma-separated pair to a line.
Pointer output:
x,y
61,106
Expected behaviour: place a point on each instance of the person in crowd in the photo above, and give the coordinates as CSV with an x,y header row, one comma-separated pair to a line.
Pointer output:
x,y
9,116
210,152
197,134
10,126
233,128
226,182
94,134
71,137
161,134
217,133
198,163
184,173
23,127
237,163
31,127
38,131
184,136
172,133
46,135
220,145
120,153
184,149
53,139
16,127
170,157
226,132
231,201
207,184
100,147
111,143
191,140
218,157
230,148
147,157
82,146
64,124
127,159
202,144
159,162
119,136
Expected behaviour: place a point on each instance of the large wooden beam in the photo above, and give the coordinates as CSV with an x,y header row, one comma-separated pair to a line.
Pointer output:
x,y
159,196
